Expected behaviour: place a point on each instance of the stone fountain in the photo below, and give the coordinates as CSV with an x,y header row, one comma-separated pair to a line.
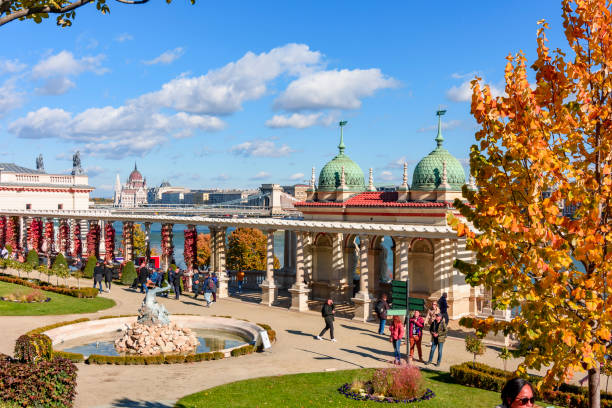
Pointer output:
x,y
153,333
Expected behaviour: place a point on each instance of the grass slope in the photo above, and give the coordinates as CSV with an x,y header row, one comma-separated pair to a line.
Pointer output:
x,y
320,390
59,304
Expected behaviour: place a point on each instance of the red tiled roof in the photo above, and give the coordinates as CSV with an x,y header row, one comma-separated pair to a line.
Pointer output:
x,y
375,199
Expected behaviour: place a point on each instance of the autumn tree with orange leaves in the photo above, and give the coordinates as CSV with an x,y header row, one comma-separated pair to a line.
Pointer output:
x,y
542,147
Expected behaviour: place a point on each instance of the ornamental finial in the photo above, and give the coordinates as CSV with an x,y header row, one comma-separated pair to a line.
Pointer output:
x,y
439,139
312,179
371,183
405,179
444,179
341,146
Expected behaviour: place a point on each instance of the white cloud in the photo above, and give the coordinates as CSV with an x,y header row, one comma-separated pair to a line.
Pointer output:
x,y
386,175
109,131
223,91
297,176
11,66
296,120
261,148
64,64
221,177
336,89
56,86
463,92
262,175
123,37
449,125
397,164
10,97
166,57
94,171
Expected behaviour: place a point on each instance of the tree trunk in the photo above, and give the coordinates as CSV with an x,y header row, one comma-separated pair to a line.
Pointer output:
x,y
594,387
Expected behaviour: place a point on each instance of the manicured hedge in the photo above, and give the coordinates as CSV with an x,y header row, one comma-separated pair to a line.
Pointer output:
x,y
89,267
241,351
482,376
129,273
44,384
271,333
33,348
151,360
62,290
74,357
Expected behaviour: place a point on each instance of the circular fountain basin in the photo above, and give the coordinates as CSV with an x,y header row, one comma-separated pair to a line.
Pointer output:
x,y
98,336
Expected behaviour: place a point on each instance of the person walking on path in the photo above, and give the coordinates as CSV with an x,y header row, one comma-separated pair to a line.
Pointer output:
x,y
216,285
143,276
397,334
209,287
381,308
177,276
443,305
438,332
415,332
98,275
328,311
108,275
240,280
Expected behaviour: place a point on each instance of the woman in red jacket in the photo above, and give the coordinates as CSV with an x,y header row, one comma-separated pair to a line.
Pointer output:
x,y
397,334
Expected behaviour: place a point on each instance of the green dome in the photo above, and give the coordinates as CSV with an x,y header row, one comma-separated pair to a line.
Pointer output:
x,y
428,173
329,178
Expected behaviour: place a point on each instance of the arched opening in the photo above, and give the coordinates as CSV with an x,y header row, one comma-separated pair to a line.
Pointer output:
x,y
322,266
382,264
421,267
351,262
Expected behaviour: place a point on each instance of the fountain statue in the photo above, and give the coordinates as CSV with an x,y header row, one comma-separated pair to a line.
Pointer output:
x,y
153,333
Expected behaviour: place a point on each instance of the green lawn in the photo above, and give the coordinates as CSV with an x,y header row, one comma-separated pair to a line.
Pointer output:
x,y
320,390
59,304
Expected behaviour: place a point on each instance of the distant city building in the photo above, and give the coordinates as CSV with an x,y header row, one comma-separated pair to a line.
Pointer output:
x,y
23,188
167,194
298,191
133,193
196,197
223,196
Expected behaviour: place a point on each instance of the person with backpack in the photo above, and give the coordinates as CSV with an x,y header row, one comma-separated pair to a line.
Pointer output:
x,y
381,308
209,287
328,311
216,285
415,332
443,305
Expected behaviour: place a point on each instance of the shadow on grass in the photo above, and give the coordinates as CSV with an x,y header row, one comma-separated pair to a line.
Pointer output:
x,y
128,403
321,356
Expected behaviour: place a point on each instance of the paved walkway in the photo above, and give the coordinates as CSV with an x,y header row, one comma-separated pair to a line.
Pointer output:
x,y
296,351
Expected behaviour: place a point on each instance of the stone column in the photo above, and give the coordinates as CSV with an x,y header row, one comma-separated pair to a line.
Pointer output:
x,y
222,290
269,291
102,243
338,282
299,291
363,300
307,243
128,240
23,235
147,241
403,261
212,265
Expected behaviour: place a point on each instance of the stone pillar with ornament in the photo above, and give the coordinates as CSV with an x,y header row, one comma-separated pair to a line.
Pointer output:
x,y
49,236
63,237
299,291
222,290
102,239
362,299
109,241
147,232
403,261
269,290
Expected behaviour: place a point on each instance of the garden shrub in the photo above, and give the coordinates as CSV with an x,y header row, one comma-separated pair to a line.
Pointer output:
x,y
474,346
45,384
129,273
190,358
33,348
74,357
174,358
271,333
217,355
89,267
241,351
62,290
32,259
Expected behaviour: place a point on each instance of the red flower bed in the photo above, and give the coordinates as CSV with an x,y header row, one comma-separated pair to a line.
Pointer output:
x,y
2,230
35,235
167,246
49,235
12,232
64,232
93,240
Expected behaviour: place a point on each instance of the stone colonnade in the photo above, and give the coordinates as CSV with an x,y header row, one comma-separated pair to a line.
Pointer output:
x,y
317,262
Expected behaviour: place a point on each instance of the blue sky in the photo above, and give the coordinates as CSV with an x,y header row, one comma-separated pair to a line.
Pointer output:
x,y
235,94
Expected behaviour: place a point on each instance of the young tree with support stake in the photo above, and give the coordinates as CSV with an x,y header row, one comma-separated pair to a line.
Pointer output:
x,y
543,147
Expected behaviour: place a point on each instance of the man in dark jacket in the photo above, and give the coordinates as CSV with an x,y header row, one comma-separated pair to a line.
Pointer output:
x,y
143,276
98,275
177,276
438,332
381,308
328,311
443,305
